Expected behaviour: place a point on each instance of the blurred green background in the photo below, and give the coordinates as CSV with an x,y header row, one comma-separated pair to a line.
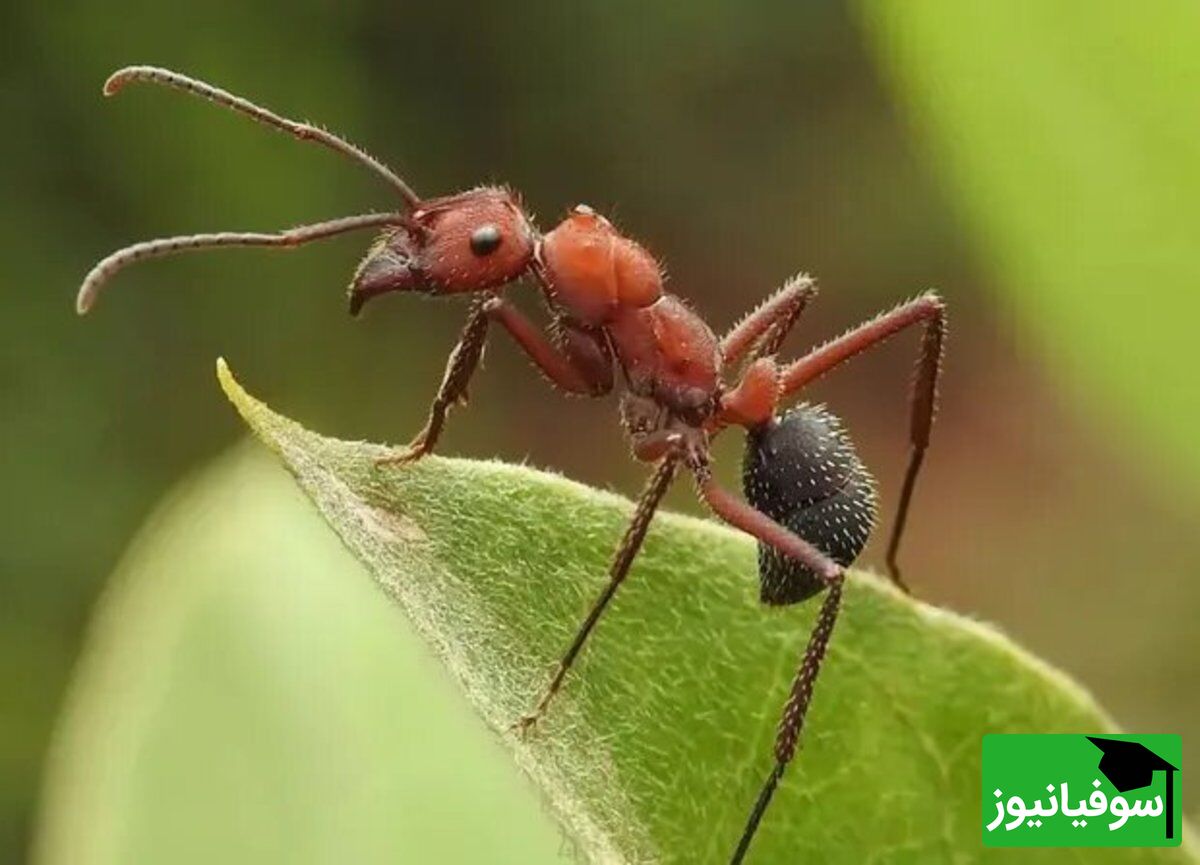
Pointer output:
x,y
1037,163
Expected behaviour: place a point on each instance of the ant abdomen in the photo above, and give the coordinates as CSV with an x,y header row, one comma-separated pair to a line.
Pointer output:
x,y
801,469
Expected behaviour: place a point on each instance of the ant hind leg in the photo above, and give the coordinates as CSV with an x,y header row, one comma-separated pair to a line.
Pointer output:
x,y
928,309
795,710
754,522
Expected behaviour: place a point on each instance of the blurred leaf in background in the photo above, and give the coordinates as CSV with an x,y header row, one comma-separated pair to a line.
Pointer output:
x,y
244,697
1069,133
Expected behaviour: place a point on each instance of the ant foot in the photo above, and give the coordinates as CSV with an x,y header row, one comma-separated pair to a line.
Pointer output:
x,y
401,457
897,580
524,726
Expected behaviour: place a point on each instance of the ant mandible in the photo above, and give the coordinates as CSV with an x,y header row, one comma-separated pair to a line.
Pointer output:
x,y
811,503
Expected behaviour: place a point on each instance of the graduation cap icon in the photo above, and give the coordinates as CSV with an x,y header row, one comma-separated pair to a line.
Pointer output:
x,y
1131,765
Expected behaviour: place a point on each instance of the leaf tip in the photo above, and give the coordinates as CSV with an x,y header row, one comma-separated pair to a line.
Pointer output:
x,y
254,412
234,391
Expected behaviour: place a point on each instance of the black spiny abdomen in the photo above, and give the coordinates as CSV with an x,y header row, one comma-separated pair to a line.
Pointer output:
x,y
802,470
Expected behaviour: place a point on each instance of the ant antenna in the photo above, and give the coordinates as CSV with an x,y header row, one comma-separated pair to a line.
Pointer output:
x,y
106,269
302,131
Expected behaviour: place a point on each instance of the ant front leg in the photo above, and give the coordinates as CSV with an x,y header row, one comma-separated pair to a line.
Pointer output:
x,y
627,550
763,330
580,363
931,310
576,360
787,738
460,366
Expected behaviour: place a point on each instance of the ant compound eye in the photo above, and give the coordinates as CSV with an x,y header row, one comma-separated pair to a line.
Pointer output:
x,y
485,240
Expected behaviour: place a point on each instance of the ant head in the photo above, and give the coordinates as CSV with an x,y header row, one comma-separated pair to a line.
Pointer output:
x,y
467,242
592,269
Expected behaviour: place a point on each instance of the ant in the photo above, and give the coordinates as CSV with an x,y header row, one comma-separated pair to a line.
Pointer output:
x,y
810,501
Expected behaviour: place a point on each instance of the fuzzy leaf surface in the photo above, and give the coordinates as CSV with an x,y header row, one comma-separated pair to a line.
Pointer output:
x,y
659,742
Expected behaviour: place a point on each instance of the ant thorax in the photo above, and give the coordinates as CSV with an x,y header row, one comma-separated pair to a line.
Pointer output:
x,y
670,354
654,431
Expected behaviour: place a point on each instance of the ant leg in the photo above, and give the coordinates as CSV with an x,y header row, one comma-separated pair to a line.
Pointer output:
x,y
928,308
794,712
753,400
774,317
460,366
745,517
581,366
630,544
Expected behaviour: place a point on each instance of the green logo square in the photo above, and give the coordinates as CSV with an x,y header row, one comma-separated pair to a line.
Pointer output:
x,y
1082,791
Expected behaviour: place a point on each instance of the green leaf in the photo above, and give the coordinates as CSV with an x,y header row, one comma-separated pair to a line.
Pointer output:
x,y
658,744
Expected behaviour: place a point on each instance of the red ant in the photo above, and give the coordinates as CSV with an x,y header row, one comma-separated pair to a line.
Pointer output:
x,y
812,503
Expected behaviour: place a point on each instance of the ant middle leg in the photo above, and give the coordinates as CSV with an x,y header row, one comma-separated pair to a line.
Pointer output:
x,y
757,337
627,550
928,309
761,332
